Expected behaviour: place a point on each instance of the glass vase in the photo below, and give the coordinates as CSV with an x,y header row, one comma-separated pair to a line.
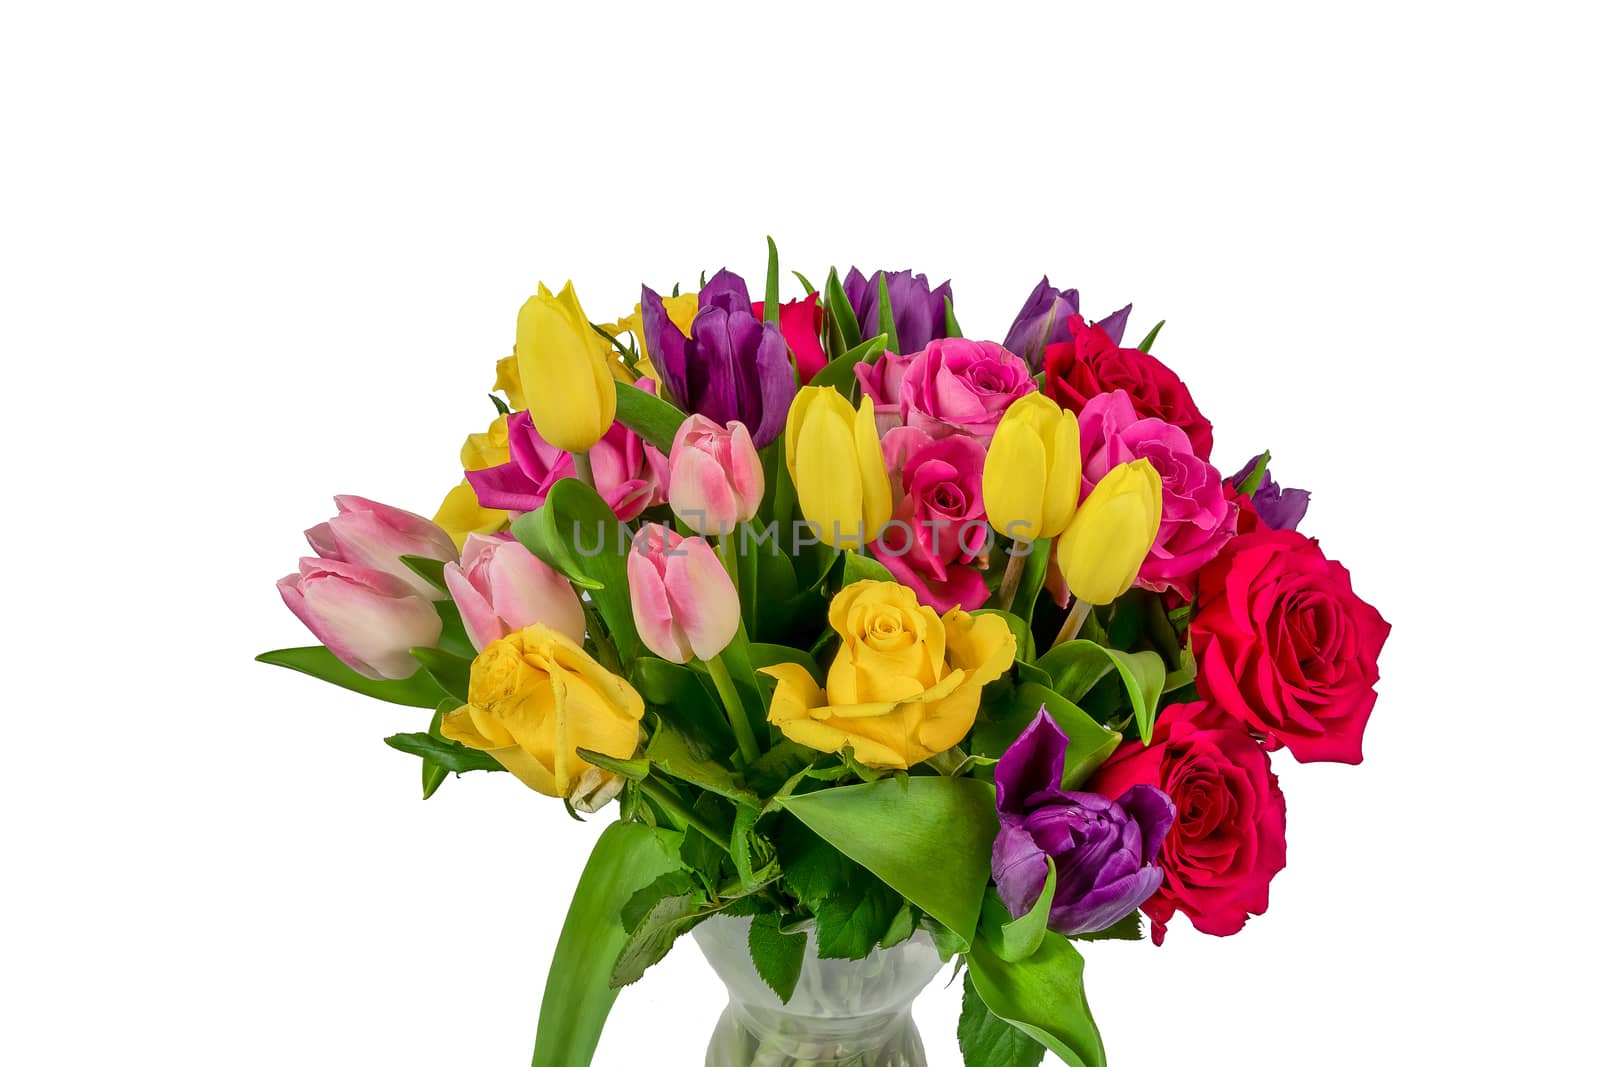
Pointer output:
x,y
844,1013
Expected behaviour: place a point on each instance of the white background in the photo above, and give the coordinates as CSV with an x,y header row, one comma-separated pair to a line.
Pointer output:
x,y
255,255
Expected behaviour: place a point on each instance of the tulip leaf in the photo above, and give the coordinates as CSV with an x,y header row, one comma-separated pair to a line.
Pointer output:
x,y
1017,939
778,957
431,570
1034,573
417,691
805,282
1042,996
840,373
433,772
500,405
578,534
1075,667
1007,714
989,1041
451,755
647,415
766,655
841,316
683,697
769,308
886,313
578,993
451,672
892,828
1257,475
1150,338
860,567
952,328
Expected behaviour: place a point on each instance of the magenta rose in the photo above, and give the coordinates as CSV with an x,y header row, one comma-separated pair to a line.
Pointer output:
x,y
1227,840
1283,644
938,527
881,380
629,474
1197,518
959,386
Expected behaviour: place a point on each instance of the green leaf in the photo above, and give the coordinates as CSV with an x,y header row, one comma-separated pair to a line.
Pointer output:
x,y
766,655
841,316
778,956
840,372
777,765
949,943
1150,338
805,282
812,869
578,993
578,534
769,310
649,416
433,772
1128,928
901,927
431,570
754,857
452,673
1257,475
1076,666
655,917
634,770
1007,714
989,1041
892,828
886,313
1042,996
952,328
859,567
418,691
451,755
1017,939
684,697
850,925
670,753
500,405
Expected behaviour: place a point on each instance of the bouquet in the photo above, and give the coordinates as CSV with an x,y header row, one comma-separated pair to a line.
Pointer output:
x,y
864,633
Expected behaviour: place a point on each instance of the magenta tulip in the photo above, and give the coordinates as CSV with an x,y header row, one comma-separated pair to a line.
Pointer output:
x,y
684,604
374,536
369,619
501,587
715,479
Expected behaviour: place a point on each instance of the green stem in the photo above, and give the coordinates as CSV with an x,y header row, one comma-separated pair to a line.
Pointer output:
x,y
738,715
1075,620
1016,562
728,550
675,807
584,469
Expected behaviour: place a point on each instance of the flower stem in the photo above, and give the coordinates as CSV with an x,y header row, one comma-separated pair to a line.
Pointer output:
x,y
738,714
584,468
1075,620
675,807
728,549
1016,563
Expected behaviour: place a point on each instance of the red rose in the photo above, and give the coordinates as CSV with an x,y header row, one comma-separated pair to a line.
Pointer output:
x,y
800,322
1249,521
1091,363
1226,842
1283,644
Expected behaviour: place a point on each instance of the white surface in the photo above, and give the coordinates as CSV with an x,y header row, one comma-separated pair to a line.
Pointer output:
x,y
256,255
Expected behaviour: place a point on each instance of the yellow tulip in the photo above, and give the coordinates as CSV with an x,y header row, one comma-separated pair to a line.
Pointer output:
x,y
905,683
460,513
563,368
680,309
534,698
1107,541
1032,475
836,463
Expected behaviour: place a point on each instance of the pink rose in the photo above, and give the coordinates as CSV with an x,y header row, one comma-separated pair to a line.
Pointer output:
x,y
629,474
1197,518
882,381
959,386
938,527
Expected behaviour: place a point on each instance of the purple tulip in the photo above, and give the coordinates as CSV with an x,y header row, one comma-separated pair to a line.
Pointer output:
x,y
1104,850
918,309
1043,321
1277,508
733,367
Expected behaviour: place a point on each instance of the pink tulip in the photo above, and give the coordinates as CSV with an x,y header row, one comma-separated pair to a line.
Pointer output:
x,y
683,601
715,475
501,587
369,619
374,536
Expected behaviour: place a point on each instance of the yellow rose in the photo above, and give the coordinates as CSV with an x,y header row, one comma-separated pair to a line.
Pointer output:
x,y
534,698
508,380
905,683
576,401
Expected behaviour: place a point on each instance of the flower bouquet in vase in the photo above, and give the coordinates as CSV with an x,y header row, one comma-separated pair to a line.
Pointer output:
x,y
876,646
